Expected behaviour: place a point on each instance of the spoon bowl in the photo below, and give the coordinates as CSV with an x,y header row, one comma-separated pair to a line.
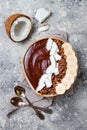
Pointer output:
x,y
20,91
17,101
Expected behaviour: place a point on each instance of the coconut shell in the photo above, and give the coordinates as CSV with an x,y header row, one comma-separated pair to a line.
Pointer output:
x,y
10,21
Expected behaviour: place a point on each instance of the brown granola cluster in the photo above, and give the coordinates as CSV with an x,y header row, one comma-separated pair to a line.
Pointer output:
x,y
62,71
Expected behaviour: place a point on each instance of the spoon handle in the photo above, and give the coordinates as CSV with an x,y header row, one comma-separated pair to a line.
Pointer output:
x,y
12,112
46,110
28,101
39,114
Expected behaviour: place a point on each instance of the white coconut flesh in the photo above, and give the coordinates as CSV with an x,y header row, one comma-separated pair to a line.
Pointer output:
x,y
20,29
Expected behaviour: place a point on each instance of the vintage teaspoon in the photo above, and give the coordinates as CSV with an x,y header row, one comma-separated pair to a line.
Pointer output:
x,y
20,91
18,102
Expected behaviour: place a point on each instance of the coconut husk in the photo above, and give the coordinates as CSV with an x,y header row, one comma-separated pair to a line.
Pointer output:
x,y
10,21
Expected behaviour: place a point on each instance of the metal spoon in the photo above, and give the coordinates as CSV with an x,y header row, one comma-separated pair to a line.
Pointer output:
x,y
39,114
12,112
46,110
18,102
20,91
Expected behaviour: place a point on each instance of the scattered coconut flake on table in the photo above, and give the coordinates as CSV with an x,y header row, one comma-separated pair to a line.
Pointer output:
x,y
42,14
43,27
45,79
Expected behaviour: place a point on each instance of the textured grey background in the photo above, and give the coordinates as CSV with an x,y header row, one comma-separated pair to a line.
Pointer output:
x,y
70,112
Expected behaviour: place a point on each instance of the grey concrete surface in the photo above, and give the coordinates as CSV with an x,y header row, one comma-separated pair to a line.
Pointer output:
x,y
70,112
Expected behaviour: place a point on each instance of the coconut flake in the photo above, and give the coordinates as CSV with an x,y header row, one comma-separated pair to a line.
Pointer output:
x,y
44,27
42,79
55,71
49,69
48,83
40,87
49,77
45,80
57,57
49,44
54,49
42,14
41,82
53,62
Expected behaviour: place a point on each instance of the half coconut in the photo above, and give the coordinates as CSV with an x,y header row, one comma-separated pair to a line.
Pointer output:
x,y
18,27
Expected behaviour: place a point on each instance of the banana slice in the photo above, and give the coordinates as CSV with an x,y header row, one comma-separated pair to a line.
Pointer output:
x,y
71,71
72,58
72,62
67,46
70,77
69,52
60,89
72,65
66,83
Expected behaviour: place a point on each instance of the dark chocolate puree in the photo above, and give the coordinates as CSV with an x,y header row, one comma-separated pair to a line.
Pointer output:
x,y
37,60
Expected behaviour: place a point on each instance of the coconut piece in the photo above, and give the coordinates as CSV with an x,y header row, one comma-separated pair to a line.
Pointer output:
x,y
18,27
49,44
54,49
48,83
52,60
40,87
42,14
42,79
41,82
49,69
57,57
49,77
55,71
43,27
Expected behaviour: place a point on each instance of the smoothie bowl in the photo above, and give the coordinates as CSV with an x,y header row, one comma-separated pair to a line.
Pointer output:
x,y
50,66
